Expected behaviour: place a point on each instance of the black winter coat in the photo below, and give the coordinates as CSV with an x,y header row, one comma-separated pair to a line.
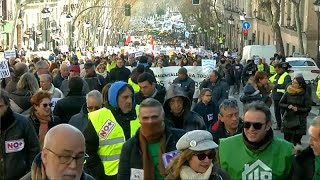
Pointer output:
x,y
295,122
119,74
22,99
220,89
16,162
96,82
208,112
58,80
159,96
303,165
188,86
68,106
189,120
131,156
80,120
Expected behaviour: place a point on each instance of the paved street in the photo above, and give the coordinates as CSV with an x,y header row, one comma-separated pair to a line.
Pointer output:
x,y
312,114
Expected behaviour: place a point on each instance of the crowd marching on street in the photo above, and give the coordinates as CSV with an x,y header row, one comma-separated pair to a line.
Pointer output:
x,y
78,116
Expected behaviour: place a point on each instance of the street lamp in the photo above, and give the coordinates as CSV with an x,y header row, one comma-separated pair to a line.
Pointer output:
x,y
69,19
45,16
317,10
231,22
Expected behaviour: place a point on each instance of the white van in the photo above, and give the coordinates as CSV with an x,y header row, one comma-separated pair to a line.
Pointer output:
x,y
266,51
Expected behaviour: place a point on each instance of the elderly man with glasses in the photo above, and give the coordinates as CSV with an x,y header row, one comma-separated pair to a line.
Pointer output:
x,y
62,157
256,153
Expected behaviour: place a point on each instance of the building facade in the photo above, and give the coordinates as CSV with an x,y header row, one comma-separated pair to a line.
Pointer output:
x,y
261,33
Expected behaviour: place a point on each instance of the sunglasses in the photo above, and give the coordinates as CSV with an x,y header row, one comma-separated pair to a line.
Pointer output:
x,y
46,105
255,125
203,156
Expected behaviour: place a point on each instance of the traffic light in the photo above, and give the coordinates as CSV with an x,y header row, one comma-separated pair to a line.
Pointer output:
x,y
195,2
253,37
127,10
245,34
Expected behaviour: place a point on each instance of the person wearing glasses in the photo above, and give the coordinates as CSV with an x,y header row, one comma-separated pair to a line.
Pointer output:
x,y
62,156
41,114
196,158
256,153
19,144
229,122
93,103
296,104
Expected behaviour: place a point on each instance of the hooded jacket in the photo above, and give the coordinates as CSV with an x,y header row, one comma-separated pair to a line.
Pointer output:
x,y
94,163
190,120
38,170
161,93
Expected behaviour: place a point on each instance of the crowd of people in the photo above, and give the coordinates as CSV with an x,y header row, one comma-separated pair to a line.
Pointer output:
x,y
67,118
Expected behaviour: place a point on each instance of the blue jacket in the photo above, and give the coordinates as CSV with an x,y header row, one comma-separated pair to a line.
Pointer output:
x,y
208,112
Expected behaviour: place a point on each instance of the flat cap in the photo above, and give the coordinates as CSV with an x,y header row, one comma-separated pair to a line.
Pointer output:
x,y
196,140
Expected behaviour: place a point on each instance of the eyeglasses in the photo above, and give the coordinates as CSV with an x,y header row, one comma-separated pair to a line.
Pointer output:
x,y
256,125
46,105
202,156
68,159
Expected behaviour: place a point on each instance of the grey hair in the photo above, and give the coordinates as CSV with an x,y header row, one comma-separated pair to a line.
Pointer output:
x,y
259,106
316,122
47,76
228,103
40,64
150,102
28,82
97,95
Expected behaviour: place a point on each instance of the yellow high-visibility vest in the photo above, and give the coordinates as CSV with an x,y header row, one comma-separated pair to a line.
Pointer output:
x,y
111,138
272,70
318,90
135,86
111,66
260,67
280,80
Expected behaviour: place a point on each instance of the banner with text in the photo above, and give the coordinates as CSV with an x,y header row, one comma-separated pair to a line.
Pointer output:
x,y
166,75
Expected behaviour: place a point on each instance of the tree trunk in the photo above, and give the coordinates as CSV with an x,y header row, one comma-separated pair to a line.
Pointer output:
x,y
15,22
277,29
299,26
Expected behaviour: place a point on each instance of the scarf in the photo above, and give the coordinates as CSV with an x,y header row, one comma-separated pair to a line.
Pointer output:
x,y
148,170
317,168
37,169
188,173
294,91
259,146
43,128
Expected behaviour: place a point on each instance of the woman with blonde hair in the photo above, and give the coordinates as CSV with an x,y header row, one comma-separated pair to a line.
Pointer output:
x,y
20,99
197,158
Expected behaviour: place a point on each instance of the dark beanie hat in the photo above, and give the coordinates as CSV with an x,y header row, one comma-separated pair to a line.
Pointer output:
x,y
143,59
75,84
183,71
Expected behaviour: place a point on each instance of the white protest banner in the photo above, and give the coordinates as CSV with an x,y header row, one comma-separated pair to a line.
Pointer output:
x,y
208,65
54,102
9,54
166,75
138,54
4,69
